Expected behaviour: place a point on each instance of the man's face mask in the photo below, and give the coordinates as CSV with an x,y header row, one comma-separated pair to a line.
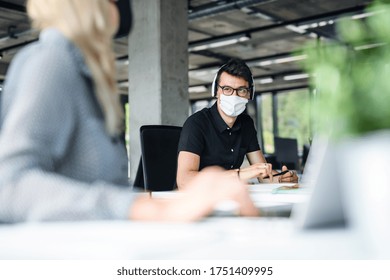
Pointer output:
x,y
232,105
126,18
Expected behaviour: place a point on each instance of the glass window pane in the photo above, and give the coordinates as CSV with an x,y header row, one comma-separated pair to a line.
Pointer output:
x,y
293,116
267,123
200,104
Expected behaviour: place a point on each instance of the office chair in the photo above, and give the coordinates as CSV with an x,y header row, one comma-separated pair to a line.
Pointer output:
x,y
159,145
286,152
138,183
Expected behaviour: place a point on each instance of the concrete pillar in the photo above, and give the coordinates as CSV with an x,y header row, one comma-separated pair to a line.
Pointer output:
x,y
158,68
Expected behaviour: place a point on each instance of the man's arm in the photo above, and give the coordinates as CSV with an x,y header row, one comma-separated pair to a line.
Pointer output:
x,y
257,157
187,168
258,167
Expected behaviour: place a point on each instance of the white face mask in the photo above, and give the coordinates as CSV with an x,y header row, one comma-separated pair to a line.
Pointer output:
x,y
232,105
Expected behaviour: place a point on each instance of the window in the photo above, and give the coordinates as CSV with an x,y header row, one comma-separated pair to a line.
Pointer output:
x,y
293,116
267,123
200,104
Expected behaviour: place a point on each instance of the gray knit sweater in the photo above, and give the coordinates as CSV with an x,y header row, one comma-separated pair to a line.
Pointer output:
x,y
56,160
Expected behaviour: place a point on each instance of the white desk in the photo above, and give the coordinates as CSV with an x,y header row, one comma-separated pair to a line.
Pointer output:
x,y
213,238
270,204
273,203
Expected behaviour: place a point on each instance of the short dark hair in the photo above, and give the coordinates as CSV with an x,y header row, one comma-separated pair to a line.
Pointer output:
x,y
238,68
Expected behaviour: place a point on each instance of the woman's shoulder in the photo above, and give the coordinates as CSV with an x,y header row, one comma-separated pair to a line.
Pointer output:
x,y
51,53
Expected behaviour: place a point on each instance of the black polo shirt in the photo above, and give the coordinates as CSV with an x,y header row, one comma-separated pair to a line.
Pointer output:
x,y
206,134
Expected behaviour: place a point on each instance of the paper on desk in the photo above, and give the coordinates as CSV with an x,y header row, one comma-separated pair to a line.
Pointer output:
x,y
295,189
274,193
268,187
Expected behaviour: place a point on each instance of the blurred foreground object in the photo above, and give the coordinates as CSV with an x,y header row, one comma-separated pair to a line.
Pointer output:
x,y
351,78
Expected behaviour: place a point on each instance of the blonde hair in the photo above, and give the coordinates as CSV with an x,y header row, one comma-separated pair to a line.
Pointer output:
x,y
87,24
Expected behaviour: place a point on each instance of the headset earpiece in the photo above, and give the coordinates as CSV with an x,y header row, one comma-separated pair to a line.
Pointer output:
x,y
252,89
214,85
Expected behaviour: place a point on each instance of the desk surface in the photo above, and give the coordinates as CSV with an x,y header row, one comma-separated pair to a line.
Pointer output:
x,y
270,204
212,238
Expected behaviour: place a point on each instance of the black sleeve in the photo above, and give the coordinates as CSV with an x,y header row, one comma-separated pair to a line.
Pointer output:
x,y
253,141
192,135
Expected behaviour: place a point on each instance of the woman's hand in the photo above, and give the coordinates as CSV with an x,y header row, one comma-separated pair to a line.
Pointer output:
x,y
204,192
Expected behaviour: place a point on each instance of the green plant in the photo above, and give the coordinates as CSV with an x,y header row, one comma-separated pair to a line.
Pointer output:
x,y
352,75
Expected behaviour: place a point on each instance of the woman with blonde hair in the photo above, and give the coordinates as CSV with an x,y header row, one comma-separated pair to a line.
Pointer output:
x,y
60,122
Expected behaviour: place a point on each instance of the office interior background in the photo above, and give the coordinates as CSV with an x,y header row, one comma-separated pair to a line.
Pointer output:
x,y
267,34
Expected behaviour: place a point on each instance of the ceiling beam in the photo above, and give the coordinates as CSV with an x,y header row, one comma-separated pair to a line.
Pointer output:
x,y
301,21
250,62
282,89
220,7
275,76
13,7
19,45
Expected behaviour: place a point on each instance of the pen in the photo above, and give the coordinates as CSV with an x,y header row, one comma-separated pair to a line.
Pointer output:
x,y
277,174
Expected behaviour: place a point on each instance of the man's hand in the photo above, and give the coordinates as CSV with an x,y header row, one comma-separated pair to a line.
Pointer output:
x,y
256,170
289,177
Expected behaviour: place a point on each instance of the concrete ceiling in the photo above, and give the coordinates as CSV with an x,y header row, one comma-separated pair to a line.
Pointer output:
x,y
271,31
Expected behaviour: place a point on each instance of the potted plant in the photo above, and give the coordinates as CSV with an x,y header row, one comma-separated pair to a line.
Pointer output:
x,y
352,78
352,75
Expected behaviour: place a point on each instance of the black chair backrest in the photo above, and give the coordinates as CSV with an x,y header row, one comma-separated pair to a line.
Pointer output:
x,y
139,177
286,152
159,145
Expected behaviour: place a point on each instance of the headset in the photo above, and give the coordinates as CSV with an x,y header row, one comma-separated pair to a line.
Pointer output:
x,y
214,85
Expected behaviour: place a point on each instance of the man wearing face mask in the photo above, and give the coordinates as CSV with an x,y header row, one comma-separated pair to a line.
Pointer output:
x,y
222,135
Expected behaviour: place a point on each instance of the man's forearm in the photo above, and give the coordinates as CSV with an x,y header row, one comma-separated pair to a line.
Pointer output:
x,y
184,178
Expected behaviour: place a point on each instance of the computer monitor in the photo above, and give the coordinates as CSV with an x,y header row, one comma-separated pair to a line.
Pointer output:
x,y
325,207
